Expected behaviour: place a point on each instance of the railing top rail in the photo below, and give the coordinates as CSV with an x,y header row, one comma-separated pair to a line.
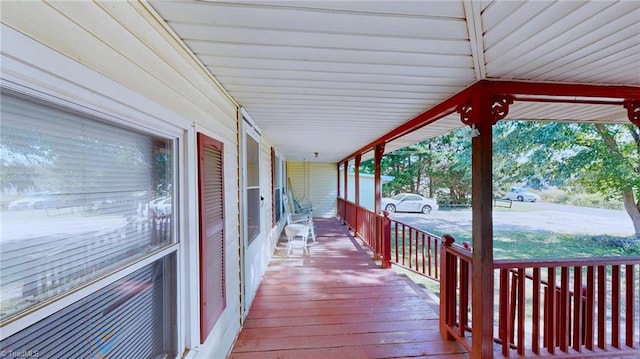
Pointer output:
x,y
563,262
459,251
415,228
360,207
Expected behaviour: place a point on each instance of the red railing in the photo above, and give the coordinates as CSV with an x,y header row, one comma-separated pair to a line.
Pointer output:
x,y
411,248
591,309
373,229
415,249
455,292
566,307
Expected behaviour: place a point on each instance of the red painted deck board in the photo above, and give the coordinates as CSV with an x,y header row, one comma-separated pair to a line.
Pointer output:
x,y
337,303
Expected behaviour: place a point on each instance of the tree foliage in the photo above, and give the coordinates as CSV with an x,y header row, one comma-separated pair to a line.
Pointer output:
x,y
598,158
440,164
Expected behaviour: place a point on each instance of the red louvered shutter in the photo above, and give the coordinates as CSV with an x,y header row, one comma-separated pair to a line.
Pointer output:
x,y
212,273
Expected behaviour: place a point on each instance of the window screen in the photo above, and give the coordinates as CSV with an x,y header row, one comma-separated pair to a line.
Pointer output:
x,y
131,318
81,198
254,199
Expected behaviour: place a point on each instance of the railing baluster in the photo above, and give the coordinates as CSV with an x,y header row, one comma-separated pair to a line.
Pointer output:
x,y
403,243
429,254
521,300
410,247
563,309
423,255
550,311
513,304
535,335
590,308
602,301
615,306
464,297
418,251
396,237
630,305
453,265
447,290
578,309
436,254
503,322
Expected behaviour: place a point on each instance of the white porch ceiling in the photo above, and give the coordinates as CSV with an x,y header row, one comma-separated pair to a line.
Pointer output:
x,y
333,76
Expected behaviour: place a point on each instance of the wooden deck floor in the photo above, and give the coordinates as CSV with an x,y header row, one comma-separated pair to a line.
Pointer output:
x,y
337,303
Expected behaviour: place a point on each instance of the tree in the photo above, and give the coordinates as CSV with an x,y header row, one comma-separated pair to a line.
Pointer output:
x,y
442,162
604,158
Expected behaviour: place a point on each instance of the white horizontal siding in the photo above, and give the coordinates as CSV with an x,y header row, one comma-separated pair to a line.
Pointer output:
x,y
315,182
117,41
124,42
324,189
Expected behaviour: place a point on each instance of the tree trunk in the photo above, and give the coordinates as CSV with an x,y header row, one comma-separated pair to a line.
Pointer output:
x,y
630,204
633,209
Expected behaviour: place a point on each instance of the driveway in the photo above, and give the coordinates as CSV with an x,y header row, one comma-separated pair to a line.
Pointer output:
x,y
529,217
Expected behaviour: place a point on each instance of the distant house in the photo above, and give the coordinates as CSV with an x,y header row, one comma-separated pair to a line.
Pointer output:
x,y
366,188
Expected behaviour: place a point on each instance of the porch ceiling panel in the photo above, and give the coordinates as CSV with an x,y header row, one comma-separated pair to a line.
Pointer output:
x,y
565,41
333,76
567,112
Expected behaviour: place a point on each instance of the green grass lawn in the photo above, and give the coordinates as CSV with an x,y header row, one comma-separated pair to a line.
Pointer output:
x,y
538,244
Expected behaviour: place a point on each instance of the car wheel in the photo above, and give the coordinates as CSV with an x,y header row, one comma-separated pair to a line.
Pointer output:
x,y
426,209
520,198
390,208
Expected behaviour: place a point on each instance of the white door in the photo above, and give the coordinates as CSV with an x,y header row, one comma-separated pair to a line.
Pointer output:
x,y
252,202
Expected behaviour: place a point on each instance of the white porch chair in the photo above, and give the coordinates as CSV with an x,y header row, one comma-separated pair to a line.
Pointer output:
x,y
300,218
297,235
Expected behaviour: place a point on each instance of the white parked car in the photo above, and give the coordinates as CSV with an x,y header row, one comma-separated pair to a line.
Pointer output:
x,y
409,202
521,195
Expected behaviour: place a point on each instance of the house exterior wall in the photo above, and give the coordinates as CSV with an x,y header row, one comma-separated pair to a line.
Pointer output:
x,y
117,59
315,182
366,190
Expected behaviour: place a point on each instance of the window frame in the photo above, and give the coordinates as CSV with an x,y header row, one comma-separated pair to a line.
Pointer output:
x,y
277,182
34,69
50,306
249,132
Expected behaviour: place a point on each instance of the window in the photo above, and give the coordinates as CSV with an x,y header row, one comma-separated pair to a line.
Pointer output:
x,y
131,318
277,174
254,200
83,199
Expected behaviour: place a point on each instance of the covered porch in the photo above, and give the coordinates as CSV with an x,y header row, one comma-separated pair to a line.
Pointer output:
x,y
319,87
338,303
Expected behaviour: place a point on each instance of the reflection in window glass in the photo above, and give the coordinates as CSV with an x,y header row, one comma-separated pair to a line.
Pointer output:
x,y
80,199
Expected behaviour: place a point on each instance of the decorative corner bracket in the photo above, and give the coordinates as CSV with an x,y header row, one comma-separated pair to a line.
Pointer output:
x,y
499,110
465,110
633,111
379,150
